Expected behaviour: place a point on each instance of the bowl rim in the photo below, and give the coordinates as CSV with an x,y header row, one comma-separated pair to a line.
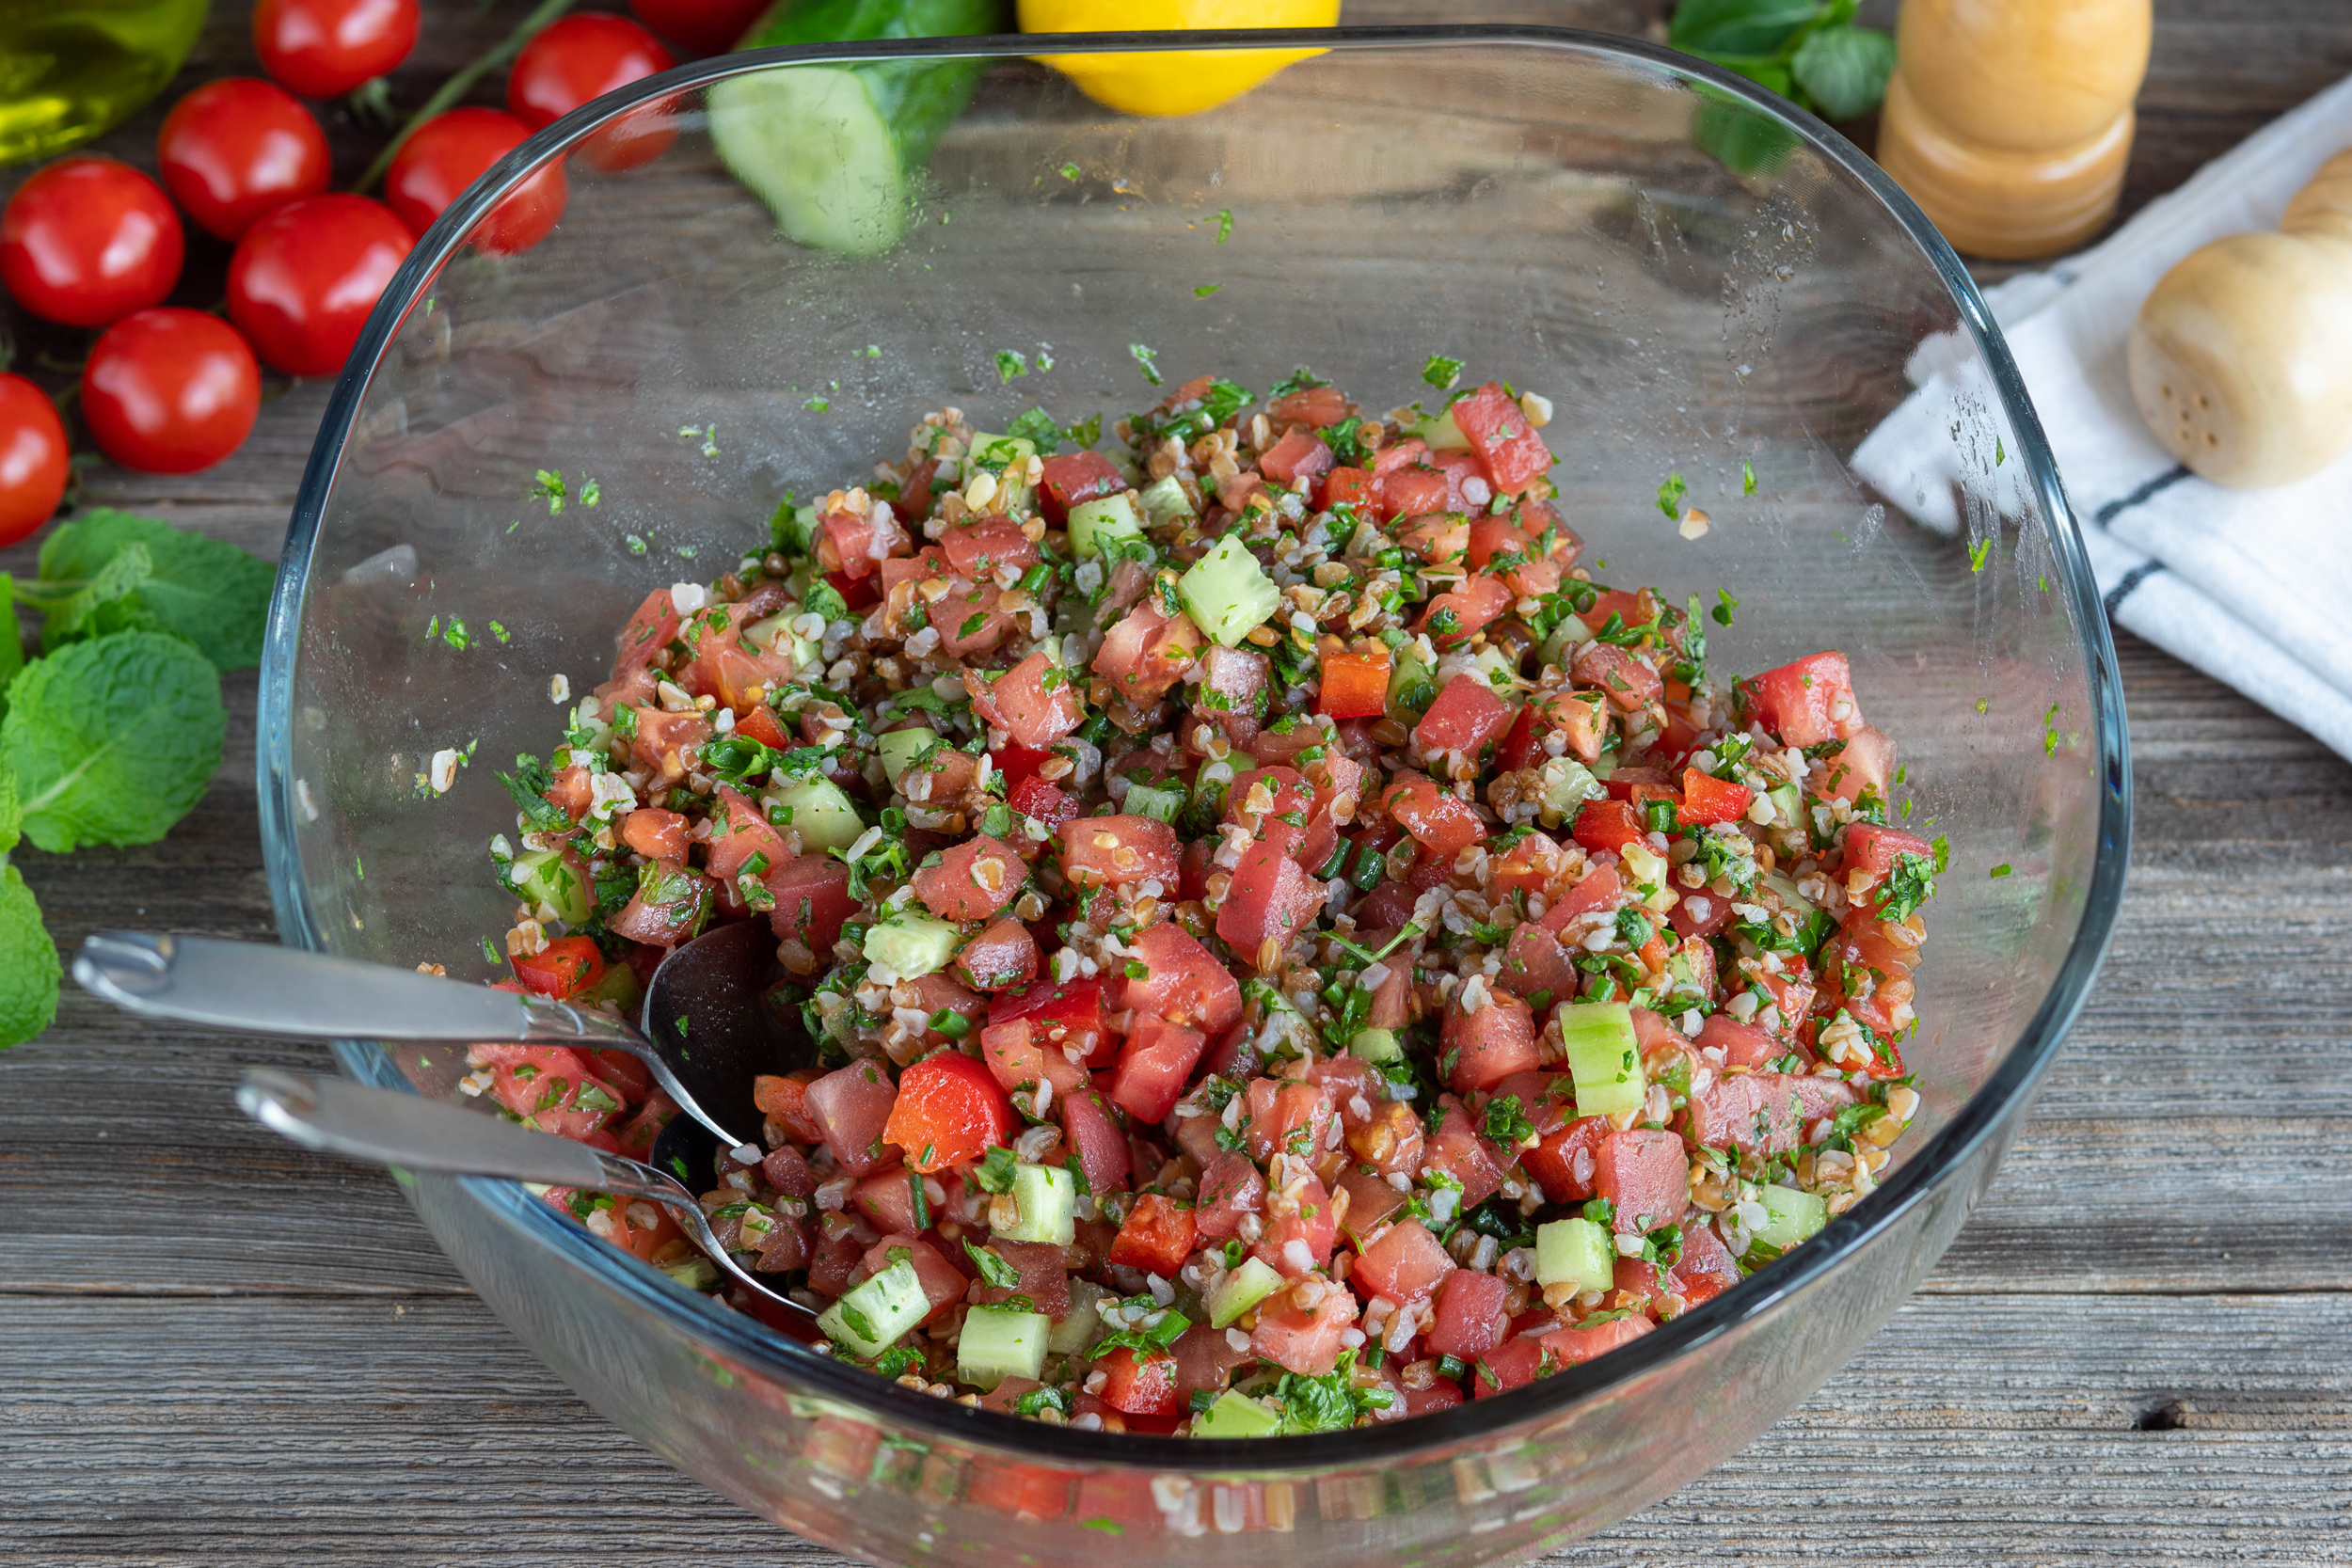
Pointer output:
x,y
713,1327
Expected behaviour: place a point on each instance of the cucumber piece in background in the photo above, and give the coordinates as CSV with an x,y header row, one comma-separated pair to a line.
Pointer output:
x,y
833,149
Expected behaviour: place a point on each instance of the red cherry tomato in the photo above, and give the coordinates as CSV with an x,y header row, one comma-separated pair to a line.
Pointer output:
x,y
450,153
237,149
33,468
88,241
582,57
170,392
704,26
324,48
305,277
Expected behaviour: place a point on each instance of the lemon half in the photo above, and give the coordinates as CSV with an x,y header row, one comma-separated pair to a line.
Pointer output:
x,y
1178,83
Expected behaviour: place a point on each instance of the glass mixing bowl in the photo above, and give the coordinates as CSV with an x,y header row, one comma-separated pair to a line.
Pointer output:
x,y
1698,278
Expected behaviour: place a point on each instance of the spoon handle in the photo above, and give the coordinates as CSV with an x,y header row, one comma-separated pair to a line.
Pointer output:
x,y
390,1128
256,987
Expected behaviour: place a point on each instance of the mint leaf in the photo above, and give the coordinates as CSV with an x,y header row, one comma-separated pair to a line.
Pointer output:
x,y
111,741
1844,69
104,603
210,593
30,969
1714,27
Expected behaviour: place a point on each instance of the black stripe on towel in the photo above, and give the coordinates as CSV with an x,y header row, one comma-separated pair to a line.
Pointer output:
x,y
2158,486
2132,579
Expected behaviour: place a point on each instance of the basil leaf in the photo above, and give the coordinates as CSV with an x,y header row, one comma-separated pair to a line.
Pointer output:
x,y
1738,26
1844,69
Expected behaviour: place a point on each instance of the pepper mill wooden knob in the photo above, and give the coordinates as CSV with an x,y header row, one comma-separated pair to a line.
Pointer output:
x,y
2010,121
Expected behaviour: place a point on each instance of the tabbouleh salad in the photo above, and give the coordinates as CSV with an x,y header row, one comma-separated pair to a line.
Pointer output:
x,y
1284,946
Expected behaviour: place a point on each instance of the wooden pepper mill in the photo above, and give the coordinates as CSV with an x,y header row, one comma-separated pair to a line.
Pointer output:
x,y
2010,121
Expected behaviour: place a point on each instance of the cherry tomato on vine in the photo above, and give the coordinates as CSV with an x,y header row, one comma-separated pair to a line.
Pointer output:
x,y
170,392
324,48
238,149
703,26
305,277
33,453
448,153
582,57
88,241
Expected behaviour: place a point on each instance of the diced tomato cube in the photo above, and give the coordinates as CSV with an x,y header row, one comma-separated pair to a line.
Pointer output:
x,y
846,541
739,834
1513,1364
1016,1489
1002,958
1182,982
1806,701
1564,1164
1271,803
1568,1346
886,1201
1444,824
1442,1394
949,1110
852,1107
1152,1068
976,549
1140,1384
1646,1175
1470,1320
1064,1014
1117,851
812,895
1353,686
551,1088
1345,487
650,630
1230,1186
1033,797
1013,1054
973,879
1317,406
1305,1340
1864,765
1406,492
1609,825
1452,617
943,1282
565,967
656,834
1091,1129
1706,800
1405,1264
670,904
786,1099
1074,477
1297,453
1035,702
1270,900
1148,651
1156,1238
1512,454
1466,716
1457,1150
1626,681
1044,1270
1706,1269
1479,1050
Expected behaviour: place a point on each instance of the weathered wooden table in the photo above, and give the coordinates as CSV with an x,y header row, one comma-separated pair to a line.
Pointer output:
x,y
215,1349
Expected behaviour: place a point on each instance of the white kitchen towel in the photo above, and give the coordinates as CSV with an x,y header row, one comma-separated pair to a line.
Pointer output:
x,y
2250,586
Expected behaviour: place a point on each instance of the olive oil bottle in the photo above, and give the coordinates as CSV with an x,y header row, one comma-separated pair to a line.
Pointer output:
x,y
70,69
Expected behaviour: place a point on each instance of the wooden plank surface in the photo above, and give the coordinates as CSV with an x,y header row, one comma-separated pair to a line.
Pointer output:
x,y
215,1349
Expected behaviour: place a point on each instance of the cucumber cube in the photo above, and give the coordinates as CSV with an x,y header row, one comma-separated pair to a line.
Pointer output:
x,y
1153,801
1564,785
1095,524
1575,1252
1790,1216
556,886
901,748
1047,1197
1604,1058
1228,593
1083,1323
999,1343
914,944
822,814
868,1318
1164,502
1003,455
1236,1414
775,635
1411,686
1240,1290
1439,431
1376,1045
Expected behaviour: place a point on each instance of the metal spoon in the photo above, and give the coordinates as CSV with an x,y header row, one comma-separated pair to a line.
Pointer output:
x,y
707,1026
390,1128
